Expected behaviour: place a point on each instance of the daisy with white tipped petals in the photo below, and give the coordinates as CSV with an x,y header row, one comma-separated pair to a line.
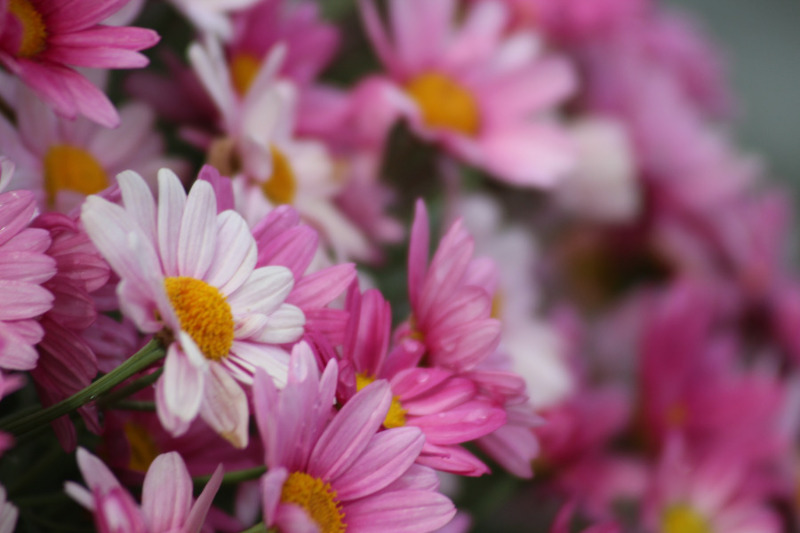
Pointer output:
x,y
188,275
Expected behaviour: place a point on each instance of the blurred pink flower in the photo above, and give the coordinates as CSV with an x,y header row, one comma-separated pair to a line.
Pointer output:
x,y
486,97
41,40
62,160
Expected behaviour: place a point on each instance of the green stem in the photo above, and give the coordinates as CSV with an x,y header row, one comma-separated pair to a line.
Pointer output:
x,y
132,405
237,476
145,357
131,388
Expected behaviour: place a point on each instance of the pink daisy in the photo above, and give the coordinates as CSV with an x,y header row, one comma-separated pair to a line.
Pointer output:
x,y
24,267
450,313
334,472
444,406
41,40
188,275
63,160
167,502
485,96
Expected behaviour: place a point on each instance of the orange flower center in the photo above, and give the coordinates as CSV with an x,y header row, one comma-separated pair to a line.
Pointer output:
x,y
244,68
34,31
281,187
203,313
70,168
683,519
317,498
396,417
444,103
143,448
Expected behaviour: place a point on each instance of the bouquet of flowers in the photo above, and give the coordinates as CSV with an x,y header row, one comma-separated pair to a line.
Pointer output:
x,y
386,266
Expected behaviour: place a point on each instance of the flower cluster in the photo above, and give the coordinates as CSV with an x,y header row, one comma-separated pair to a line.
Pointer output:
x,y
386,266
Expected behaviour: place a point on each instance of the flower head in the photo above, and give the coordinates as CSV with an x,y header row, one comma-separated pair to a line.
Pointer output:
x,y
188,274
166,497
42,40
334,471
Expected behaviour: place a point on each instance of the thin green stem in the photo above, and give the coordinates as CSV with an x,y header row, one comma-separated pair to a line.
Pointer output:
x,y
132,405
131,388
237,476
145,357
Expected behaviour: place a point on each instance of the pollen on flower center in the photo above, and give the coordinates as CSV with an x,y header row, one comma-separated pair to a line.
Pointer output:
x,y
244,68
445,103
34,30
143,448
683,519
396,417
317,498
71,168
203,313
281,186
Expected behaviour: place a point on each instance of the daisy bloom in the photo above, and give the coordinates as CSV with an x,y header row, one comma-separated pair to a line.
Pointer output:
x,y
485,96
24,267
167,504
443,405
334,471
188,274
63,161
450,315
259,149
8,513
41,40
211,15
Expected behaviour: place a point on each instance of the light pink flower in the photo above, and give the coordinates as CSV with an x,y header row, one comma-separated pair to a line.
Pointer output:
x,y
212,15
189,275
360,479
167,502
42,40
24,267
64,160
486,97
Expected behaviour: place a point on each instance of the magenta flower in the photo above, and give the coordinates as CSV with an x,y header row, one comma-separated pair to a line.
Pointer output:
x,y
41,40
167,504
334,471
485,96
446,407
189,274
24,267
67,362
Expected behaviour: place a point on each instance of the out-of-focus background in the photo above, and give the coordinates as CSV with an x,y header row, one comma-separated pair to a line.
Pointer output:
x,y
761,40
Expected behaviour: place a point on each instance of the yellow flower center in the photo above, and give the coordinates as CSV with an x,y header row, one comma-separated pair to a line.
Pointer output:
x,y
498,304
71,168
203,313
396,417
34,31
444,103
317,498
244,68
683,519
143,448
281,186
